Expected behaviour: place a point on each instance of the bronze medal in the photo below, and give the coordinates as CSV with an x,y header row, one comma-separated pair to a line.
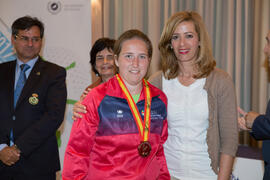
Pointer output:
x,y
144,149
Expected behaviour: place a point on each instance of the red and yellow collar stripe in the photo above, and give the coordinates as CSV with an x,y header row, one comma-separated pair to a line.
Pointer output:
x,y
143,126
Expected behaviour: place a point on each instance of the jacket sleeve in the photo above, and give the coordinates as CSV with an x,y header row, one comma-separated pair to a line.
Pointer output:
x,y
81,141
261,128
227,116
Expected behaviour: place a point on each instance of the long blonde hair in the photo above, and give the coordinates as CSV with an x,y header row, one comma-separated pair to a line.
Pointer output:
x,y
204,62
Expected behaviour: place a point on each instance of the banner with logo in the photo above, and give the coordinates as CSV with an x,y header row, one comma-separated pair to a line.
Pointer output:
x,y
67,42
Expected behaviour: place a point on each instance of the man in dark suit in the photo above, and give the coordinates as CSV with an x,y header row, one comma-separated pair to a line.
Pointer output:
x,y
259,124
32,105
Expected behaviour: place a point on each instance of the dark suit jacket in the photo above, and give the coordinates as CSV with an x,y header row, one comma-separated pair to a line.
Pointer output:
x,y
35,125
261,131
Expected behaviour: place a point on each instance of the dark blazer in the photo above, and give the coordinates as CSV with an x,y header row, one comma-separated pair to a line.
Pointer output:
x,y
35,123
261,131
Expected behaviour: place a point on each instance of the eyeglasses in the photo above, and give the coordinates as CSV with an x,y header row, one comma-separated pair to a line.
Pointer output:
x,y
101,58
26,39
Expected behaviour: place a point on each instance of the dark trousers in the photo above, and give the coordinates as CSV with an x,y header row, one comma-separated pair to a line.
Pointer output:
x,y
266,175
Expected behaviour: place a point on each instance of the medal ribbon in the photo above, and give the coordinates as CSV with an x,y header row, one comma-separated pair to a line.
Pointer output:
x,y
143,126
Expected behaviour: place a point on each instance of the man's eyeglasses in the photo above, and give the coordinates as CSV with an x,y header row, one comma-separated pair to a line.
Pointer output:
x,y
26,39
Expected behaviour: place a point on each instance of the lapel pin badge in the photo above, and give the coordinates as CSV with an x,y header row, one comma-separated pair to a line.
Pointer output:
x,y
38,73
33,99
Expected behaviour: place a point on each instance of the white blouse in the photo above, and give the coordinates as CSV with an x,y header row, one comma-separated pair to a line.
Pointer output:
x,y
186,149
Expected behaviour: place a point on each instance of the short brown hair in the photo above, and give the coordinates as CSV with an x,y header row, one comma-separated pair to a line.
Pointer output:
x,y
204,63
25,23
99,45
130,34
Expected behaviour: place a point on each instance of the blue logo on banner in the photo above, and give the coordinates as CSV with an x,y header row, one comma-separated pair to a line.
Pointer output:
x,y
6,51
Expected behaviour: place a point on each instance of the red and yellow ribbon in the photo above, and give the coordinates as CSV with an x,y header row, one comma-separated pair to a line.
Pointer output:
x,y
143,126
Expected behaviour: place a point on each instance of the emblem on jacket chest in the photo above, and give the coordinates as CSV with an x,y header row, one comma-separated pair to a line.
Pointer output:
x,y
33,99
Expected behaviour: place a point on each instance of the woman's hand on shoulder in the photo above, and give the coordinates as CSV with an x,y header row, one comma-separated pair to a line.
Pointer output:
x,y
77,109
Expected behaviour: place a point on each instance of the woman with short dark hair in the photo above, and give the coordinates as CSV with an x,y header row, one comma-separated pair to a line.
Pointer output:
x,y
102,60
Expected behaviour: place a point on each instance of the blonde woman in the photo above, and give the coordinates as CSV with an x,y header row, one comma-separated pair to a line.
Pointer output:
x,y
202,116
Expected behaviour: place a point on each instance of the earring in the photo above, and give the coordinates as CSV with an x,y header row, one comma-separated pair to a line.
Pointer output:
x,y
170,47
